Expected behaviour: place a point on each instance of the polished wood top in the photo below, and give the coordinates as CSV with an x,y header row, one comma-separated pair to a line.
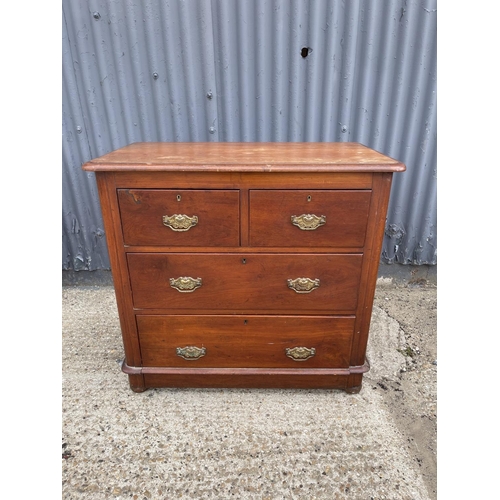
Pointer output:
x,y
246,157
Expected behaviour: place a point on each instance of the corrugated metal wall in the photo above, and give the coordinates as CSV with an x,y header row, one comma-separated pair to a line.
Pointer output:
x,y
145,71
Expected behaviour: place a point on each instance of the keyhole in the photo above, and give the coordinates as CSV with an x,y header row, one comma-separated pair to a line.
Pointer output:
x,y
178,197
309,198
243,261
245,322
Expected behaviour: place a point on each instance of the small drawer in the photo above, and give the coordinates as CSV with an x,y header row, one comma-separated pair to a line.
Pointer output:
x,y
314,218
172,217
245,342
245,282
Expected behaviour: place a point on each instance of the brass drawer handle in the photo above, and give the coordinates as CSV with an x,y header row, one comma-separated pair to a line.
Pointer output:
x,y
185,283
300,353
191,352
180,222
308,222
303,285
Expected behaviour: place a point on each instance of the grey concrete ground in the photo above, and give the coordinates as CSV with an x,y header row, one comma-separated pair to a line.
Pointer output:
x,y
255,444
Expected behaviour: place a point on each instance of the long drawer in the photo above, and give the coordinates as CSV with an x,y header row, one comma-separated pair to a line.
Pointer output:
x,y
251,342
284,282
177,217
303,218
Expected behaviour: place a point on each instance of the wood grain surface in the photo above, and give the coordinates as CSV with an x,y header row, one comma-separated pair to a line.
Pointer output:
x,y
245,282
246,156
217,211
346,214
245,341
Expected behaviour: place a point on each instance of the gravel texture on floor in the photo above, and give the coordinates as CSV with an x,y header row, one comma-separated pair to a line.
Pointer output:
x,y
236,443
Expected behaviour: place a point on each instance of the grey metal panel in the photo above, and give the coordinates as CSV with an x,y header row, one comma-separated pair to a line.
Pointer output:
x,y
141,71
84,245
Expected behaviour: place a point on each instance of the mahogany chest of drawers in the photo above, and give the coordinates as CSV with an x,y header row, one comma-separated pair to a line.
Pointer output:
x,y
244,264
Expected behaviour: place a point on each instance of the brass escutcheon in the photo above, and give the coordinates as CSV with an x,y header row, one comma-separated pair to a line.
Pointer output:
x,y
308,222
180,222
300,353
185,283
191,352
303,285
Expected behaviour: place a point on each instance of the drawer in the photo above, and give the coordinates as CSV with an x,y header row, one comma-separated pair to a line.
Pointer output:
x,y
314,218
244,282
250,342
172,217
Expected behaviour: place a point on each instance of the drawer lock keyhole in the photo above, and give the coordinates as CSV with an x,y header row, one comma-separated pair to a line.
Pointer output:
x,y
309,198
243,261
178,197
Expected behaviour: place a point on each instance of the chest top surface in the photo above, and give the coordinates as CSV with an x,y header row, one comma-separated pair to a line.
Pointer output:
x,y
246,157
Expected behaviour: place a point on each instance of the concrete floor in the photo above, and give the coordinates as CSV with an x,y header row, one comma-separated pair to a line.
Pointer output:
x,y
255,444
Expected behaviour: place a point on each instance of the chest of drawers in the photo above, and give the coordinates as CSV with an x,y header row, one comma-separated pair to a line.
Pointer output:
x,y
244,264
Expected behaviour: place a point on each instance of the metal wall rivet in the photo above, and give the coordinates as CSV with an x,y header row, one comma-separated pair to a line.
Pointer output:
x,y
212,130
155,76
79,129
209,95
96,15
343,129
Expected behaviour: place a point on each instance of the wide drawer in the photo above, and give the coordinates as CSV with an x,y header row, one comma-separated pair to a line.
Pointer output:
x,y
239,282
303,218
172,217
239,341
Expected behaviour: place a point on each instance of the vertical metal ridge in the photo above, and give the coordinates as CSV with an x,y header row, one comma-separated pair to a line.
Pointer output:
x,y
263,69
315,71
326,89
279,104
174,89
369,51
382,93
349,43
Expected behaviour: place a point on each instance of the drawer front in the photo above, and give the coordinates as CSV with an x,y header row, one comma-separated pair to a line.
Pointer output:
x,y
324,282
301,218
171,217
250,342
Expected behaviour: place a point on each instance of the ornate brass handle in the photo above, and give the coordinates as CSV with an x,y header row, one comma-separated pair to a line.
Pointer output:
x,y
185,283
308,222
180,222
191,352
300,353
303,285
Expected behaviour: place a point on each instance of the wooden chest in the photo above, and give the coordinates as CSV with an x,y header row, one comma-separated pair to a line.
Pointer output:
x,y
244,264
